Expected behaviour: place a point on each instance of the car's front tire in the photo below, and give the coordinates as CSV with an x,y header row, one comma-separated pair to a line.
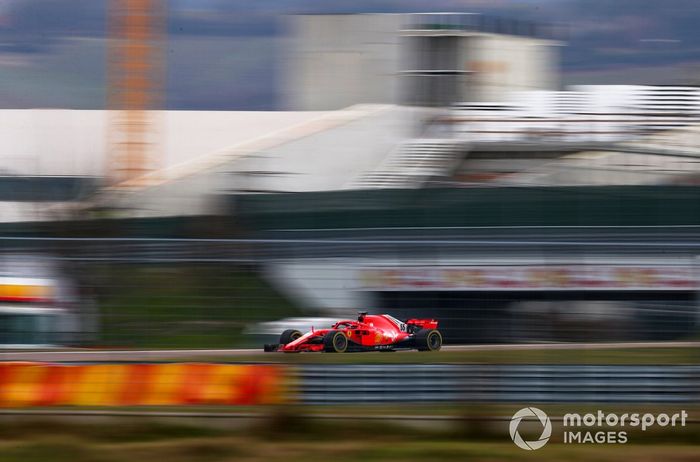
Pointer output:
x,y
428,340
335,342
289,336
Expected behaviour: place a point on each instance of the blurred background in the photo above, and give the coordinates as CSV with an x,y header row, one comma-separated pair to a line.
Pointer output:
x,y
182,180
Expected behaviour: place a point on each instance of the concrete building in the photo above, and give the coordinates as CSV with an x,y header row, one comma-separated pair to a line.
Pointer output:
x,y
203,154
423,59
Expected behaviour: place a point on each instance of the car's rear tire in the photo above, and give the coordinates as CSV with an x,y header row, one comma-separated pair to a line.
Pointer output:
x,y
289,336
335,341
428,340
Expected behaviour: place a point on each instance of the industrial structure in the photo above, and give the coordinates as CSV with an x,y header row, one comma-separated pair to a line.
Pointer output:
x,y
421,59
135,78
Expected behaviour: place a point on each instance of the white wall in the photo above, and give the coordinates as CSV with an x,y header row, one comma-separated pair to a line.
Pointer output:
x,y
335,61
74,142
324,153
52,142
503,64
330,285
329,159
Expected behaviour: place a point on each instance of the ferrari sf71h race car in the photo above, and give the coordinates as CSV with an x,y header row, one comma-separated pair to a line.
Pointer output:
x,y
371,332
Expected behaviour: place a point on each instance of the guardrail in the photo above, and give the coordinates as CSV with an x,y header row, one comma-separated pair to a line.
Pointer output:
x,y
334,384
181,384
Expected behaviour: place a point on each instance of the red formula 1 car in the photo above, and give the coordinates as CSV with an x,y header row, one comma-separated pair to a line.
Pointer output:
x,y
371,332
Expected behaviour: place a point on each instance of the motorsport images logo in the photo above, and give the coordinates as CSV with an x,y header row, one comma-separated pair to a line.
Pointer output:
x,y
591,428
530,412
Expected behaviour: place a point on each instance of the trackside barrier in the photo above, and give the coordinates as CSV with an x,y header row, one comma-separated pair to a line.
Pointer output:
x,y
25,384
46,384
411,383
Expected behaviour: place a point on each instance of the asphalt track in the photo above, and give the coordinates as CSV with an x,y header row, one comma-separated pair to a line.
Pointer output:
x,y
223,354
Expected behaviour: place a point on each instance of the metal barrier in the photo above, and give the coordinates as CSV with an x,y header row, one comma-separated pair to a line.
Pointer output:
x,y
28,384
425,383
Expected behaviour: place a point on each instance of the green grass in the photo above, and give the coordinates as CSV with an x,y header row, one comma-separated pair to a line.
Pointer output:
x,y
684,355
458,410
194,306
230,449
285,438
